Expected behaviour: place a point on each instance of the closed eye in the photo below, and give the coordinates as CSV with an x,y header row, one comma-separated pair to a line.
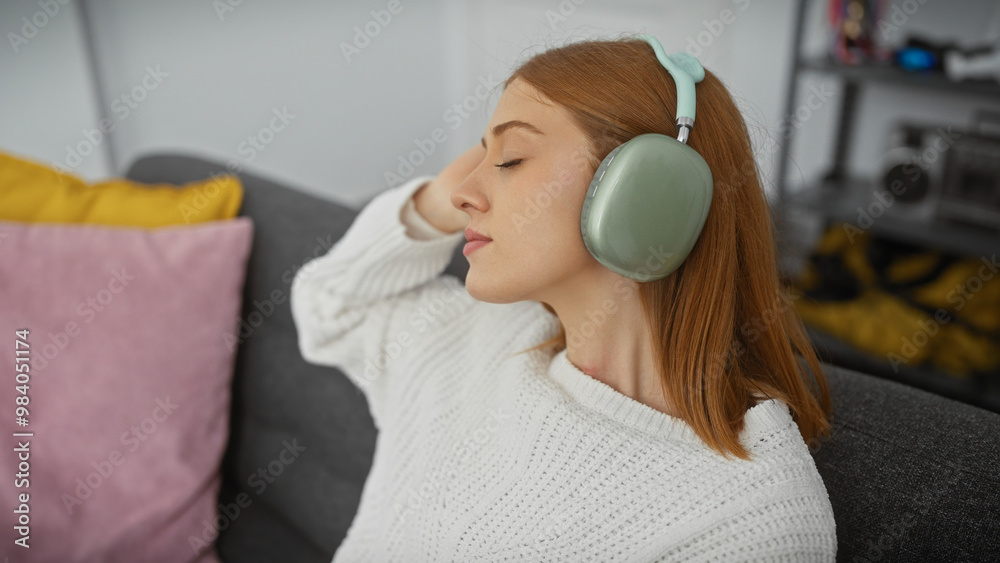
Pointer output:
x,y
509,163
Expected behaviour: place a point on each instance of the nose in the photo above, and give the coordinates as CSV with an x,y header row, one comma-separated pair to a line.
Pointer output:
x,y
469,195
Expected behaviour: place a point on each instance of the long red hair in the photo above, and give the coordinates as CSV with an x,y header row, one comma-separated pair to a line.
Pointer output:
x,y
724,321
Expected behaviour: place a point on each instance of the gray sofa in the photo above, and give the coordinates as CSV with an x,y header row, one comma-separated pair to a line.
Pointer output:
x,y
912,476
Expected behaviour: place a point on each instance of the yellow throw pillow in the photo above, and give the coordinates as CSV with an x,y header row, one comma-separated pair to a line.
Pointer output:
x,y
33,192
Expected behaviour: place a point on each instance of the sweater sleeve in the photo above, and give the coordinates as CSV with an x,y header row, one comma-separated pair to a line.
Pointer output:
x,y
354,307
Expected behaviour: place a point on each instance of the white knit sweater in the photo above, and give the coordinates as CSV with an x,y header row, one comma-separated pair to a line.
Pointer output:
x,y
483,455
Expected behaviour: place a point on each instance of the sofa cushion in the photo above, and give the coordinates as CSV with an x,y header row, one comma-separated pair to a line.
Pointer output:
x,y
912,476
31,191
128,391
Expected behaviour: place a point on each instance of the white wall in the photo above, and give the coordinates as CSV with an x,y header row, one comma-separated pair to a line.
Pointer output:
x,y
227,74
47,102
231,74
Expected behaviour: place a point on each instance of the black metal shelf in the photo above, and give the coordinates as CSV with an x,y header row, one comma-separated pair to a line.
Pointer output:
x,y
837,197
885,73
982,391
840,201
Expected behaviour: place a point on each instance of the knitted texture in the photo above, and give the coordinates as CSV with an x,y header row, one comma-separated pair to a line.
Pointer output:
x,y
484,454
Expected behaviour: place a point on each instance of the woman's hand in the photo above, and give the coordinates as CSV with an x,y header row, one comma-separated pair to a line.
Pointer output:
x,y
433,200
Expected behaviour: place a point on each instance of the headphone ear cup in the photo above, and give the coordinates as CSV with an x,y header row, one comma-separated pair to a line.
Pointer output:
x,y
646,206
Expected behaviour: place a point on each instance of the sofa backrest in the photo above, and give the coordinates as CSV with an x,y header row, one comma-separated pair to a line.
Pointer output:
x,y
911,475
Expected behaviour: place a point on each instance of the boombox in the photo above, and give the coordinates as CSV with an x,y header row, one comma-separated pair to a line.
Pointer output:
x,y
940,172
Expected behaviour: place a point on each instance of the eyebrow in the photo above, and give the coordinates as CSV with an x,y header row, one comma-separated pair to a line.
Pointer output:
x,y
500,129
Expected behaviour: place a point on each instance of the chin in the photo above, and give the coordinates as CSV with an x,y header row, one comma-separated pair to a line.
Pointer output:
x,y
484,290
482,294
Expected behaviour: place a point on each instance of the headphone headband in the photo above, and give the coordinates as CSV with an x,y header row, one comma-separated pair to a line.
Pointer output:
x,y
686,70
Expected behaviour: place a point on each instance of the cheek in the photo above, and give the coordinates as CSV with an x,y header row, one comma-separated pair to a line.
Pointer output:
x,y
545,221
547,211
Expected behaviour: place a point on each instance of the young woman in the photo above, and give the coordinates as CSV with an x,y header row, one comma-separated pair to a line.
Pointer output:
x,y
550,409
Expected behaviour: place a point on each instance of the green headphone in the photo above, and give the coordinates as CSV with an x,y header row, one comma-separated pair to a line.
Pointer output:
x,y
649,198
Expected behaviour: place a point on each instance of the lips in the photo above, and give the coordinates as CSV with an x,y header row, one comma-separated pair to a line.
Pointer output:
x,y
473,235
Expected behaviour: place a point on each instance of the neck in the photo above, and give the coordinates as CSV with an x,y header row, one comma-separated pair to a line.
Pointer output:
x,y
607,336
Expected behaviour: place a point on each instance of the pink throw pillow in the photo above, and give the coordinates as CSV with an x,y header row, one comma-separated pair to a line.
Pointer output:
x,y
128,391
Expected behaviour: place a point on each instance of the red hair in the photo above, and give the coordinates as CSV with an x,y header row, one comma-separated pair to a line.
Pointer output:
x,y
723,323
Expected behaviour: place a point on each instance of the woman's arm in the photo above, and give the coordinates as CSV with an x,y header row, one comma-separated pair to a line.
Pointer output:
x,y
417,227
356,307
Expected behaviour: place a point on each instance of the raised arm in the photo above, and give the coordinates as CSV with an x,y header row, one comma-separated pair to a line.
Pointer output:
x,y
356,306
